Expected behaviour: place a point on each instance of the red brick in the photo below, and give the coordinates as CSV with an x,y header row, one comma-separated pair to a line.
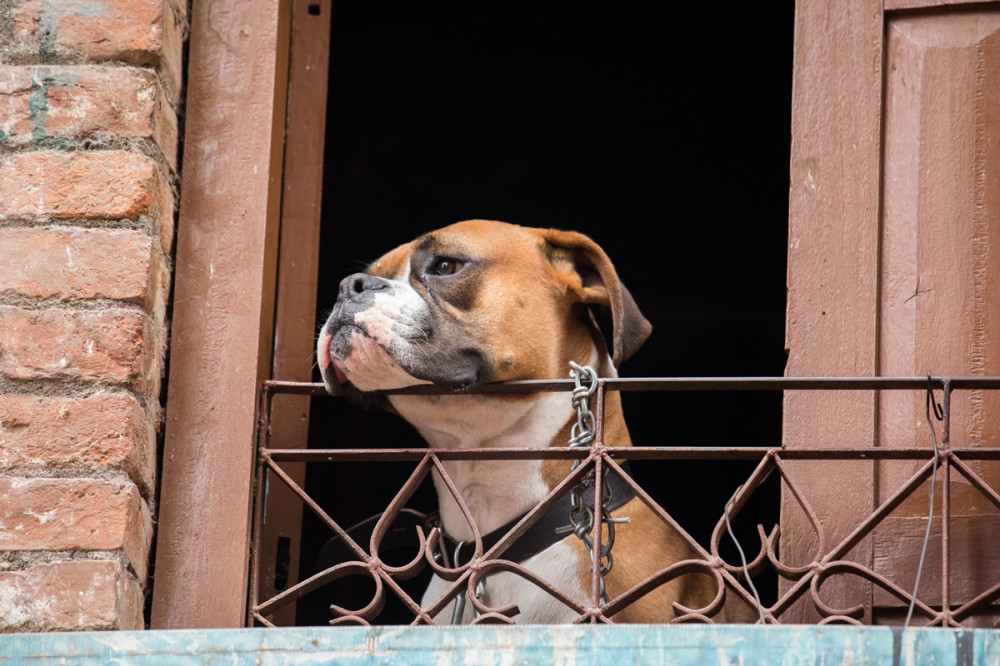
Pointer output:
x,y
112,346
65,264
111,184
175,27
128,30
86,595
103,431
78,102
74,514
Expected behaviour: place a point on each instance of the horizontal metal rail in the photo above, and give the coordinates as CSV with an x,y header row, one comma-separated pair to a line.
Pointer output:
x,y
675,384
622,453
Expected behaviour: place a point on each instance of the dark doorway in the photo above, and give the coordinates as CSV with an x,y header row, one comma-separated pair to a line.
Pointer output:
x,y
662,131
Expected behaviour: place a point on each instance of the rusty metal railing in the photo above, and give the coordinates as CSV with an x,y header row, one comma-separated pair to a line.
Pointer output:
x,y
800,583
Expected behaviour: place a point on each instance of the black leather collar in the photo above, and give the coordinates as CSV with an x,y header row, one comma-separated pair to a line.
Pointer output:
x,y
543,533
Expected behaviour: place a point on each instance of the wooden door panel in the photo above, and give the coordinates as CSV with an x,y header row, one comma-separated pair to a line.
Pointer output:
x,y
894,216
939,309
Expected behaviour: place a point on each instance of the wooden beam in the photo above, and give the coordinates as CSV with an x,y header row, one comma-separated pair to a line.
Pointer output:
x,y
223,308
833,253
298,271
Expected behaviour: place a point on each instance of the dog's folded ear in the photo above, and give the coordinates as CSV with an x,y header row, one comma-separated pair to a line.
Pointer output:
x,y
599,285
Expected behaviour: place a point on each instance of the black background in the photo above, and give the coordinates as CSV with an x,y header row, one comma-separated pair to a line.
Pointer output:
x,y
662,132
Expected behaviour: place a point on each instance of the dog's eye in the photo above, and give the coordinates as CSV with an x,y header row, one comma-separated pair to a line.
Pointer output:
x,y
446,266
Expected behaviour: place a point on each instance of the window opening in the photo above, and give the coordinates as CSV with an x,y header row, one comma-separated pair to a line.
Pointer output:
x,y
584,121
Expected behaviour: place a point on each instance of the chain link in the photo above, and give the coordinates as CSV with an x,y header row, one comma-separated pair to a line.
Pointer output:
x,y
581,517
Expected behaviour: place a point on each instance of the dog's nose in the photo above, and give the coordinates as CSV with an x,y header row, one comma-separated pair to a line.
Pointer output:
x,y
355,285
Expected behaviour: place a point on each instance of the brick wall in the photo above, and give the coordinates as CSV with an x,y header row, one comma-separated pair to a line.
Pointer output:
x,y
88,161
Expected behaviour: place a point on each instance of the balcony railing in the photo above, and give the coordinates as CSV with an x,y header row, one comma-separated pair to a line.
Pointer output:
x,y
937,464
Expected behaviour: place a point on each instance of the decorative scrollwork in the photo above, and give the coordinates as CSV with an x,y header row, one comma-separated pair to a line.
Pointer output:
x,y
807,582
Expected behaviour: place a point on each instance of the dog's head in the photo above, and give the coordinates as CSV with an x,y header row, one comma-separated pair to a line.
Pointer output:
x,y
476,302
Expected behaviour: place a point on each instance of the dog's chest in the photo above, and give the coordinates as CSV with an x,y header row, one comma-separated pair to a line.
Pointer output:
x,y
559,565
494,491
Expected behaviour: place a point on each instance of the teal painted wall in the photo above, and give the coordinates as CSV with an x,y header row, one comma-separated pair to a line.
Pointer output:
x,y
616,645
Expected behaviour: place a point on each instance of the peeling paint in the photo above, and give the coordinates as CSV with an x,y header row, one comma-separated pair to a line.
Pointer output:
x,y
42,81
50,12
617,644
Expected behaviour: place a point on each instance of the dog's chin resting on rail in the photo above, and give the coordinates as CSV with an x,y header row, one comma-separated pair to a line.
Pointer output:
x,y
482,301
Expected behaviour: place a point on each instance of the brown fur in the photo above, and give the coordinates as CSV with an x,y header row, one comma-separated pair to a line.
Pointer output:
x,y
522,303
644,546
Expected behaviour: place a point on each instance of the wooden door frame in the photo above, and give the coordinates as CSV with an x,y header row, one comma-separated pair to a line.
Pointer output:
x,y
830,331
247,260
223,307
297,278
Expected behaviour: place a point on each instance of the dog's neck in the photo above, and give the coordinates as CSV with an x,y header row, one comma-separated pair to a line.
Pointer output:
x,y
496,492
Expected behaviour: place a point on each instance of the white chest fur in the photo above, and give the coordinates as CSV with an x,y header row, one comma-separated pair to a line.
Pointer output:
x,y
495,492
559,565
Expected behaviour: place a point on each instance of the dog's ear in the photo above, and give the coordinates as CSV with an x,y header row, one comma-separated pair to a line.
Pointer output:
x,y
599,285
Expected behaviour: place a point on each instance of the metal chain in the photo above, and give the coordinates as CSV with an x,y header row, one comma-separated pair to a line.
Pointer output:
x,y
581,517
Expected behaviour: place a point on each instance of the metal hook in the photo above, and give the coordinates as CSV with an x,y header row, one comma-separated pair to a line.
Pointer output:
x,y
938,409
939,415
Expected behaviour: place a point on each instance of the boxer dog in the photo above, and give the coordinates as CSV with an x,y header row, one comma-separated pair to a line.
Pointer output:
x,y
482,301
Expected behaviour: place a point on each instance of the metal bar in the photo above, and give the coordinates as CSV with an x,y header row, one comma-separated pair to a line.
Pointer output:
x,y
596,447
263,432
945,537
852,539
981,600
318,510
620,453
881,512
974,478
676,384
946,505
595,535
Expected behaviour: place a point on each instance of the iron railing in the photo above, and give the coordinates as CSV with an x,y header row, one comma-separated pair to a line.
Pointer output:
x,y
800,583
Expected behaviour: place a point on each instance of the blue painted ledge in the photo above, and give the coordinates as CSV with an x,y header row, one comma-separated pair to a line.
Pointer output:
x,y
617,645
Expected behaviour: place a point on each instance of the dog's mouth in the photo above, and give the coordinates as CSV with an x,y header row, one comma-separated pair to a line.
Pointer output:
x,y
334,378
351,357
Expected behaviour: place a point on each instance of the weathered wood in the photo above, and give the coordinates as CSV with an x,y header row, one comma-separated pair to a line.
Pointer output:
x,y
298,272
941,266
941,226
892,261
892,5
834,205
899,541
223,308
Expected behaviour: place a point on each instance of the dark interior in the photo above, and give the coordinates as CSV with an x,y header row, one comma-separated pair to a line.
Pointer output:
x,y
661,130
